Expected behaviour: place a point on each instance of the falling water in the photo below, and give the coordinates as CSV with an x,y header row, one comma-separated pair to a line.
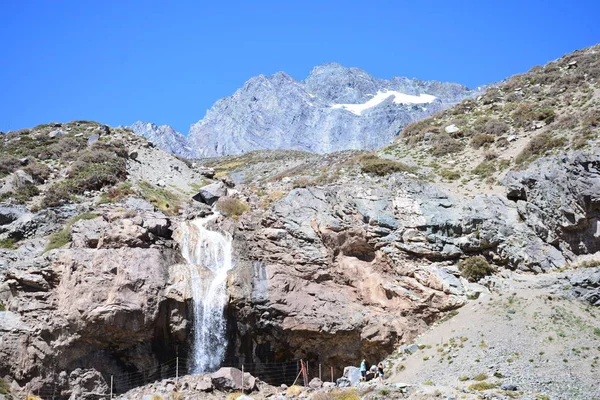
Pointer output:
x,y
209,249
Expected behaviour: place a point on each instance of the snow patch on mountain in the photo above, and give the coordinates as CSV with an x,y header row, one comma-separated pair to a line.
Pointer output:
x,y
380,96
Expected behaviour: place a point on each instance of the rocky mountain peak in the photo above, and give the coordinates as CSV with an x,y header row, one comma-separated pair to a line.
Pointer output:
x,y
164,137
316,114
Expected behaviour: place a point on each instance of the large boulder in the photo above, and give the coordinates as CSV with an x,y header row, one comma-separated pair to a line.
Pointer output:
x,y
209,194
229,379
352,374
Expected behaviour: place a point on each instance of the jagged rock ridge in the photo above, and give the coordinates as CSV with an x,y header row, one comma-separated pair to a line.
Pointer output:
x,y
335,108
164,137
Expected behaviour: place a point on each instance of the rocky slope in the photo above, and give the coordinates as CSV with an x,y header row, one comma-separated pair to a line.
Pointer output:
x,y
164,137
337,256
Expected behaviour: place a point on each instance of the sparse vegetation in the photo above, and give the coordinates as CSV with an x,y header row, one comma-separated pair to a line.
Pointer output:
x,y
97,166
449,174
443,144
373,165
117,193
231,207
337,394
480,377
480,386
4,386
8,244
475,268
161,198
62,237
482,139
537,146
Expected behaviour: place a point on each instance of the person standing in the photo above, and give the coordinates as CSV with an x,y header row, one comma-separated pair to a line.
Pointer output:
x,y
363,370
380,372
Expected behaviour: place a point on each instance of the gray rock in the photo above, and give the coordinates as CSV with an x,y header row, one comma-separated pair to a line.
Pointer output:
x,y
343,382
352,374
137,204
328,385
230,379
315,383
9,214
93,139
209,194
56,133
164,137
412,348
509,386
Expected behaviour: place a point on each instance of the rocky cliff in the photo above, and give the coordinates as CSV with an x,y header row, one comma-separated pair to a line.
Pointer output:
x,y
165,138
336,256
335,108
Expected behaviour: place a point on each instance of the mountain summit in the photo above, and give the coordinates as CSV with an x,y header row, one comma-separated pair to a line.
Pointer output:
x,y
334,108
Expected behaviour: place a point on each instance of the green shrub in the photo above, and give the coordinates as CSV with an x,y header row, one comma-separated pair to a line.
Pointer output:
x,y
8,164
163,199
463,378
537,146
483,386
485,169
2,308
4,386
373,165
58,239
231,207
481,139
97,166
495,128
475,268
8,244
39,172
526,114
24,193
449,174
443,144
480,377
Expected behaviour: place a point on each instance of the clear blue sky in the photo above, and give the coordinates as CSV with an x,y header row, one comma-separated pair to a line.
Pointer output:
x,y
118,61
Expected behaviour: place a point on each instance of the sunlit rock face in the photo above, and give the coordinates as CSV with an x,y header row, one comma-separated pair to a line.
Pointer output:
x,y
335,108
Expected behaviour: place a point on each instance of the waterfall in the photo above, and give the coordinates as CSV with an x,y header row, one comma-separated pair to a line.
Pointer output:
x,y
205,249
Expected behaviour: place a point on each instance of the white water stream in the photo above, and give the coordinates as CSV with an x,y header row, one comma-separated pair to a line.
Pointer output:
x,y
203,248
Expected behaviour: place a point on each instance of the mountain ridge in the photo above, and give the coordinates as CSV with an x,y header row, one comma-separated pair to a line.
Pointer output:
x,y
281,112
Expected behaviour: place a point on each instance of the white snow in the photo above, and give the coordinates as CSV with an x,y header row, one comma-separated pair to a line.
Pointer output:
x,y
399,98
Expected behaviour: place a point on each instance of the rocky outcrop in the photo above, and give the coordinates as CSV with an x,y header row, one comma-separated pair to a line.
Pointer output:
x,y
559,198
101,306
164,137
341,272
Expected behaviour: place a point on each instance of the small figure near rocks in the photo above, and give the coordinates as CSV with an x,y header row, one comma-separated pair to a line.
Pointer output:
x,y
363,370
380,372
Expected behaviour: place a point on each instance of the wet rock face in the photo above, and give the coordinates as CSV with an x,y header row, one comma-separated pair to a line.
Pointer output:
x,y
100,307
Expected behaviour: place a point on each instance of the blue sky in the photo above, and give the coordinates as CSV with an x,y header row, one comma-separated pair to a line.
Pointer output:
x,y
118,61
